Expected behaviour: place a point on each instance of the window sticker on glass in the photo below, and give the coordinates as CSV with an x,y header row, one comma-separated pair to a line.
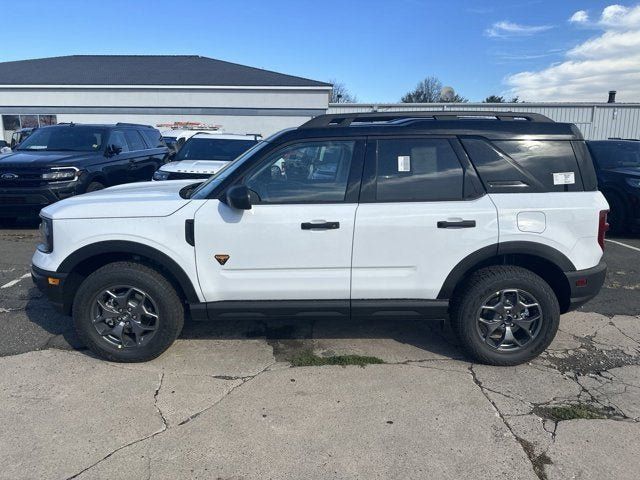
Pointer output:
x,y
564,178
404,163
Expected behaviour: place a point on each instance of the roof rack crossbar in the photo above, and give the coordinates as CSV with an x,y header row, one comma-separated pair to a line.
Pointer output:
x,y
346,119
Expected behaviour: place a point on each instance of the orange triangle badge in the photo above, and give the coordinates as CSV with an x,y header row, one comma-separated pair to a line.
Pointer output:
x,y
222,259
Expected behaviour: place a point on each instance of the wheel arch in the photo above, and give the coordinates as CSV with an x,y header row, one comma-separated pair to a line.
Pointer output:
x,y
543,260
97,176
87,259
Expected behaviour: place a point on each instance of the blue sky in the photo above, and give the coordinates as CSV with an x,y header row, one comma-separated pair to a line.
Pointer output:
x,y
379,49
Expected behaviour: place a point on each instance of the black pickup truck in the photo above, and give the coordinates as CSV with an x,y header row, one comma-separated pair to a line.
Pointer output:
x,y
59,161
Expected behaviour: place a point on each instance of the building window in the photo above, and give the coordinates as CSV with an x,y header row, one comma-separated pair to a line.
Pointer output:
x,y
28,121
11,123
47,120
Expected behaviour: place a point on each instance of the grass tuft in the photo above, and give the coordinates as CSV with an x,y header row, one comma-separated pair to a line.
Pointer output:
x,y
570,412
309,359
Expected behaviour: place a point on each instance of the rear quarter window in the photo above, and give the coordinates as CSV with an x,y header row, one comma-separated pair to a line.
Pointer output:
x,y
153,138
508,166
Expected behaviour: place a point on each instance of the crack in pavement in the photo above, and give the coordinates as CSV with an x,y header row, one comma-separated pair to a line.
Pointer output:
x,y
165,426
163,429
537,461
243,380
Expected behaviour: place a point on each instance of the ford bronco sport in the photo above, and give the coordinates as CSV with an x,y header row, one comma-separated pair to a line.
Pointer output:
x,y
490,220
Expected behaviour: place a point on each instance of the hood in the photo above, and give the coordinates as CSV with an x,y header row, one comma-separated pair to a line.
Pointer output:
x,y
145,199
194,166
43,159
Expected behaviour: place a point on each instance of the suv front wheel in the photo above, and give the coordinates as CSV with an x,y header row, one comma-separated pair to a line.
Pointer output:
x,y
127,312
505,315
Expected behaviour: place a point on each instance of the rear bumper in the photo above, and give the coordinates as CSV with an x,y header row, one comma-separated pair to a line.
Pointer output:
x,y
585,284
55,293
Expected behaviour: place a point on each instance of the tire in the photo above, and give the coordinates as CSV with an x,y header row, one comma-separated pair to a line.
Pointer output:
x,y
617,217
487,288
121,286
94,187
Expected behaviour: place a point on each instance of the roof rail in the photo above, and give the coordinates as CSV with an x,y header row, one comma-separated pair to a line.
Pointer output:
x,y
346,119
125,124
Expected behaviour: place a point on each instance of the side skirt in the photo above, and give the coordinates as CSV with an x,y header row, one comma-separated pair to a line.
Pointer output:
x,y
360,308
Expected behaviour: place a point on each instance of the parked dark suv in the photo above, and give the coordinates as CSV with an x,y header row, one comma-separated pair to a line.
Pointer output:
x,y
60,161
617,165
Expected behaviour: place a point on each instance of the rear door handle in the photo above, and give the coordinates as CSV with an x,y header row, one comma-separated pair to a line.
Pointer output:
x,y
457,224
320,225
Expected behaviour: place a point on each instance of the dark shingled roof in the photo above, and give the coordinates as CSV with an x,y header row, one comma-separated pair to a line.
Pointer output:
x,y
142,70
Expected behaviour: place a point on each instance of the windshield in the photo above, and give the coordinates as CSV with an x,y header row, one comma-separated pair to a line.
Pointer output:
x,y
616,154
216,179
76,138
199,148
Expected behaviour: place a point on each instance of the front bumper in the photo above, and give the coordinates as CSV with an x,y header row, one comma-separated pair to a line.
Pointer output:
x,y
585,284
16,201
54,292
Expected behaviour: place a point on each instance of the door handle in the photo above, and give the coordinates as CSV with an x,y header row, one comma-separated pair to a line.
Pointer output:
x,y
320,225
457,224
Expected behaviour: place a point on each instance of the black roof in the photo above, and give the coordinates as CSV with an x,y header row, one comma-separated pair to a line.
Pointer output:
x,y
490,125
143,70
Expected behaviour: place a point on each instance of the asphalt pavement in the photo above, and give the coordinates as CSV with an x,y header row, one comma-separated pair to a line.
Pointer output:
x,y
233,400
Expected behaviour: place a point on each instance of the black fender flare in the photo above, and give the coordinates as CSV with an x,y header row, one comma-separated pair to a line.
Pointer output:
x,y
111,247
532,249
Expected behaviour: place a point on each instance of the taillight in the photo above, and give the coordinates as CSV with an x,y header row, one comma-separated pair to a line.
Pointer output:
x,y
603,227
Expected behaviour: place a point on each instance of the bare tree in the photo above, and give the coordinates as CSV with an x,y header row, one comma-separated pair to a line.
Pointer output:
x,y
429,90
500,99
341,94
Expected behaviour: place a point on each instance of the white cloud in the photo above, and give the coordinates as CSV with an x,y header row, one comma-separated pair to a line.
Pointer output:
x,y
581,16
610,61
615,17
509,29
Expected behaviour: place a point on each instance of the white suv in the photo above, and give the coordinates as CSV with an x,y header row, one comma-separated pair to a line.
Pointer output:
x,y
490,221
203,154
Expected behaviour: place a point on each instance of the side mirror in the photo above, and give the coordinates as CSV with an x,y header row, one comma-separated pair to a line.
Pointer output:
x,y
238,197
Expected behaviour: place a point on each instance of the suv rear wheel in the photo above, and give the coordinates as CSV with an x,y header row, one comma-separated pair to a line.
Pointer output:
x,y
505,315
127,312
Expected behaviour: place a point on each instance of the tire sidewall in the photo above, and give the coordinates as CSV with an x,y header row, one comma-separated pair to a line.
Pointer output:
x,y
170,315
94,187
474,299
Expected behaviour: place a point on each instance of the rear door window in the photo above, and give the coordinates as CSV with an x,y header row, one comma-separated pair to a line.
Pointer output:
x,y
134,140
417,170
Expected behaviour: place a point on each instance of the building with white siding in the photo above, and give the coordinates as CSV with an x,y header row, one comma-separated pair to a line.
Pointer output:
x,y
154,90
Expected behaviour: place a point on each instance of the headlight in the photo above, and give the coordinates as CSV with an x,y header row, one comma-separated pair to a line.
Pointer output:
x,y
160,175
46,234
633,182
61,174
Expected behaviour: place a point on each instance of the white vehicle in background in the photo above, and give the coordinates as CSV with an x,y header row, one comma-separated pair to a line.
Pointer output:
x,y
203,154
180,132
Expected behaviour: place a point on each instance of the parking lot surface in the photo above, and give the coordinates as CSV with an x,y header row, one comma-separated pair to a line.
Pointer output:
x,y
226,402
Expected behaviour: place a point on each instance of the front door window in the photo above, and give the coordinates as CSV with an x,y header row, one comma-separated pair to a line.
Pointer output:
x,y
310,172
